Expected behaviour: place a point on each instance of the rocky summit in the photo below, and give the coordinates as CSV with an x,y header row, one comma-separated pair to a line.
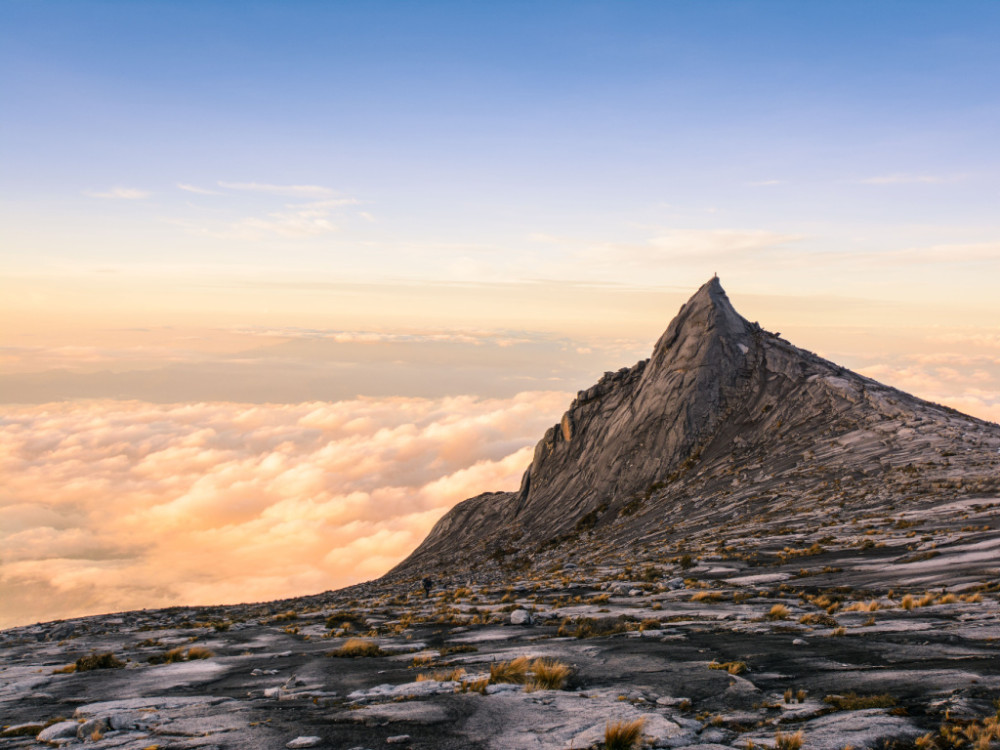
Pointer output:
x,y
732,544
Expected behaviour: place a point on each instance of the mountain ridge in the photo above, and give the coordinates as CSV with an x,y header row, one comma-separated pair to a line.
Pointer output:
x,y
720,406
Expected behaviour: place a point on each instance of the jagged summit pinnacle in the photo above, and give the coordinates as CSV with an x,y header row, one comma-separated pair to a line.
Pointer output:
x,y
723,416
640,423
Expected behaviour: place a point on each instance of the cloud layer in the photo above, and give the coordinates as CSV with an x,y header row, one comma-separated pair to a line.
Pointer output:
x,y
119,505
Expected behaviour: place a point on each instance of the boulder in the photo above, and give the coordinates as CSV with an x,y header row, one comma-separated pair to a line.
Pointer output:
x,y
521,617
61,731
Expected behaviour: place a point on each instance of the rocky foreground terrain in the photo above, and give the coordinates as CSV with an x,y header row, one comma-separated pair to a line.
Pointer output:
x,y
733,544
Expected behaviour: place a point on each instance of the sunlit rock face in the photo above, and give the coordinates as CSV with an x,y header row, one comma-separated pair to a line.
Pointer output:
x,y
723,423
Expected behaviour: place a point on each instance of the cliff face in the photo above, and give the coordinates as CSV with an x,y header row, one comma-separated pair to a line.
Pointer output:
x,y
637,426
725,421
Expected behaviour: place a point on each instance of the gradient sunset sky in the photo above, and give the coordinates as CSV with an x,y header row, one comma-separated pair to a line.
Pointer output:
x,y
282,282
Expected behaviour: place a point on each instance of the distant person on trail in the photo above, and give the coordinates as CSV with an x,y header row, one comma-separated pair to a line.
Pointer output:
x,y
428,584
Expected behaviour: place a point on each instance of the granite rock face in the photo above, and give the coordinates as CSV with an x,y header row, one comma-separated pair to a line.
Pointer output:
x,y
640,424
724,421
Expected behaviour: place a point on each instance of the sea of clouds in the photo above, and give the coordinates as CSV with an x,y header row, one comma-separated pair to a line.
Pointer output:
x,y
114,505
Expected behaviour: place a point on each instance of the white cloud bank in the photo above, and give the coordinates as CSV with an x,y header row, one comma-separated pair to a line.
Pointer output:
x,y
118,505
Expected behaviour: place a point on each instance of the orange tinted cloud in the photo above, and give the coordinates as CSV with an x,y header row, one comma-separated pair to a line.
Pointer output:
x,y
118,505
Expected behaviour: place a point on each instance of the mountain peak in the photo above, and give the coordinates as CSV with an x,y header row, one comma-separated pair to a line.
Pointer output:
x,y
722,409
707,312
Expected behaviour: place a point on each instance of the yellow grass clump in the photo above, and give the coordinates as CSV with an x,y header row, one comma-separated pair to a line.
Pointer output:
x,y
733,667
778,612
788,741
706,596
548,674
623,735
355,647
514,672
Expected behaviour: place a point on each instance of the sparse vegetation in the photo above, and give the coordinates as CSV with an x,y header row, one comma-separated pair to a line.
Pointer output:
x,y
778,612
623,735
460,648
818,618
706,596
355,647
733,667
589,627
514,672
548,674
181,654
788,741
97,661
455,675
854,702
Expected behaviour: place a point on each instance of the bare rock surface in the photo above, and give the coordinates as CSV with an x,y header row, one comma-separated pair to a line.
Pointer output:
x,y
733,542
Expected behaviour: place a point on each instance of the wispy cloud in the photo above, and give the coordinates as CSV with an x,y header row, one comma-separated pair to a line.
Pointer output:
x,y
226,502
196,189
295,220
295,223
119,193
261,187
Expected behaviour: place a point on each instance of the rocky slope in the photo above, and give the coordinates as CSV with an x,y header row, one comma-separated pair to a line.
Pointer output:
x,y
724,427
733,544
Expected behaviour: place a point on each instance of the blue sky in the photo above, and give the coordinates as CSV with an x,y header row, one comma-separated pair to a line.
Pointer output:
x,y
220,222
455,122
151,150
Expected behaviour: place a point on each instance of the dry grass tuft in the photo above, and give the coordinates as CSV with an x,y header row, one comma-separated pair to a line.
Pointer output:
x,y
180,654
476,686
778,612
98,661
355,647
623,735
818,618
455,675
549,674
788,741
706,596
854,702
733,667
514,672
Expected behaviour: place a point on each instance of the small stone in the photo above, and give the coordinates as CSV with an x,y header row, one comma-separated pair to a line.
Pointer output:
x,y
399,739
635,592
800,642
304,742
61,731
521,617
